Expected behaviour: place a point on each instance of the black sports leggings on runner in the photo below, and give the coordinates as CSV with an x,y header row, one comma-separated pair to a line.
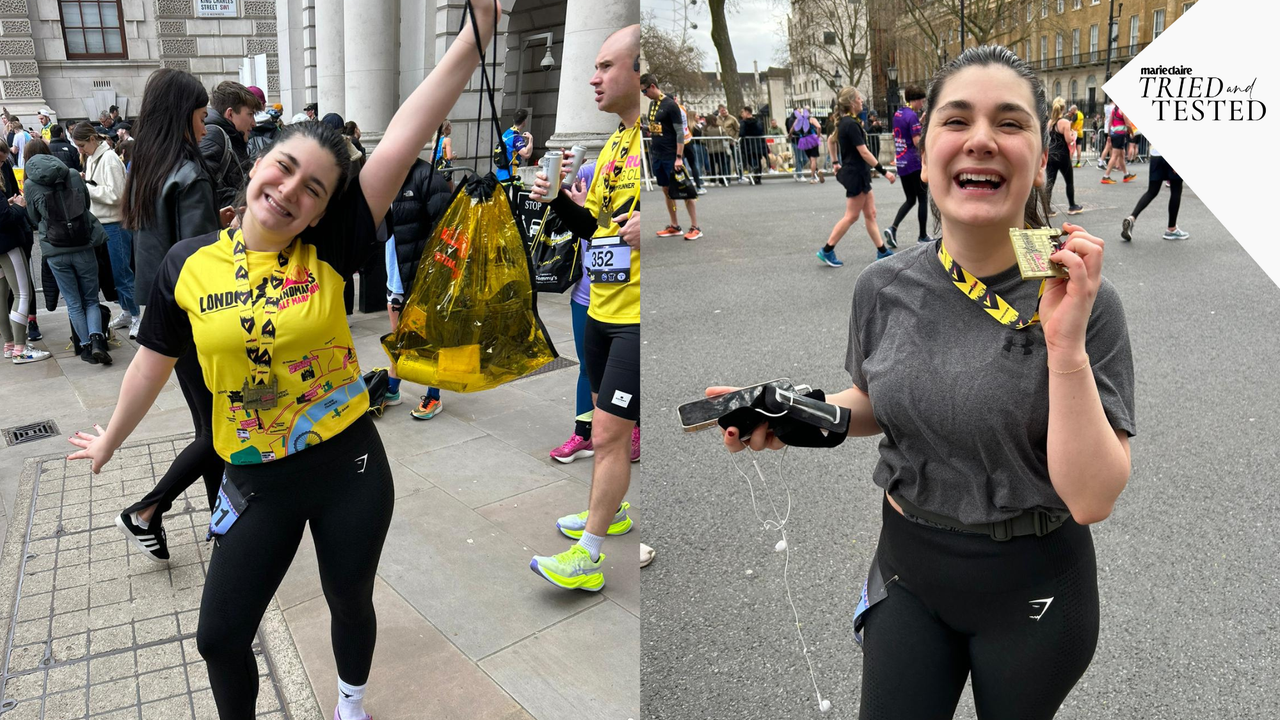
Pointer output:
x,y
198,459
343,488
1055,166
918,195
1159,172
1020,616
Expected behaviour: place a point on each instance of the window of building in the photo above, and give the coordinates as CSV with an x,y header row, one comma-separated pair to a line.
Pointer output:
x,y
1028,12
1026,51
1044,49
1062,6
1157,24
1075,90
828,38
1044,8
1075,44
1058,48
1057,88
1115,35
91,29
1133,34
1093,43
1075,4
1187,6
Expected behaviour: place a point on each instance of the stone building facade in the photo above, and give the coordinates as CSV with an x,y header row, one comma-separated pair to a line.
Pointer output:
x,y
80,57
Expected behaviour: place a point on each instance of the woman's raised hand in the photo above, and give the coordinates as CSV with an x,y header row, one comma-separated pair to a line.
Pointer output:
x,y
1068,302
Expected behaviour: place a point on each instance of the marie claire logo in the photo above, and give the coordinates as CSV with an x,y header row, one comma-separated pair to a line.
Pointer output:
x,y
1179,94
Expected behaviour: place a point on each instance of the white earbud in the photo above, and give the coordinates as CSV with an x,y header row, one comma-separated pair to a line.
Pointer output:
x,y
782,545
824,705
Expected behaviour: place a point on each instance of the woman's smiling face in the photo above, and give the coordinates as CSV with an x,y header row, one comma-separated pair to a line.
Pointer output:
x,y
983,147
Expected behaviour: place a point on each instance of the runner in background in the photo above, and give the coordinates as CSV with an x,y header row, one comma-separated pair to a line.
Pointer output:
x,y
807,135
853,169
1119,134
1077,126
1061,137
906,139
666,156
517,144
1159,173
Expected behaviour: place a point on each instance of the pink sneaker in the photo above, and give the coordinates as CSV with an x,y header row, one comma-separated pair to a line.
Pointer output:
x,y
574,448
336,716
635,444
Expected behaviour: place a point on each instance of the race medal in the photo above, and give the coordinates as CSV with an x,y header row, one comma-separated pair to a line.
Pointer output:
x,y
259,397
609,260
1033,248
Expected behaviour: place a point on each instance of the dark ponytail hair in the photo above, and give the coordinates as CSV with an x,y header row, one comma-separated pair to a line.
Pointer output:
x,y
1000,56
164,140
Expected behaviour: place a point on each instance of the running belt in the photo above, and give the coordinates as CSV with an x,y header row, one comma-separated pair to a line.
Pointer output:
x,y
1030,522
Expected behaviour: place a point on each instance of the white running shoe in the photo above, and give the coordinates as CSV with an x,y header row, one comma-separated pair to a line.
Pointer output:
x,y
133,327
29,355
120,321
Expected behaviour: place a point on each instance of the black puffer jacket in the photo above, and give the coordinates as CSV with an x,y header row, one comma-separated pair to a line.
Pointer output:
x,y
66,152
413,216
228,174
15,230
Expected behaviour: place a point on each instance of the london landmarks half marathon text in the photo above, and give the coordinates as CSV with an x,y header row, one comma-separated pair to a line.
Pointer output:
x,y
1179,95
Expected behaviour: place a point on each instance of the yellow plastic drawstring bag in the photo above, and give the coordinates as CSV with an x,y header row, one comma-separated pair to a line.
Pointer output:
x,y
471,322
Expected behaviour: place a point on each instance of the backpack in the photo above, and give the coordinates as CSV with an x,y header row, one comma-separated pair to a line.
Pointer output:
x,y
377,382
64,213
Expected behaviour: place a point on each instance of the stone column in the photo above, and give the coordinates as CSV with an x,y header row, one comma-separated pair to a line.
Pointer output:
x,y
587,23
331,87
296,39
372,66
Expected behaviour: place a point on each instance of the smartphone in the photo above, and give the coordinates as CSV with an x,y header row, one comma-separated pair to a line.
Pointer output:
x,y
704,413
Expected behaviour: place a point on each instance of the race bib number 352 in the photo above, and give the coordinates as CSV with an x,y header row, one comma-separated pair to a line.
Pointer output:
x,y
609,260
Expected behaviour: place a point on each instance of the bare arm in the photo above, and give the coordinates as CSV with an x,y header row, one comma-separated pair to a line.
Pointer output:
x,y
1088,460
142,383
1068,134
866,155
411,128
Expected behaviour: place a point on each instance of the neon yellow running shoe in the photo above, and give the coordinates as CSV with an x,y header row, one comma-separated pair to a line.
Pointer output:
x,y
571,569
572,526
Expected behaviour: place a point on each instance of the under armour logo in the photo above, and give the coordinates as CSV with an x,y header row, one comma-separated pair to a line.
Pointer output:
x,y
1042,605
1029,343
364,461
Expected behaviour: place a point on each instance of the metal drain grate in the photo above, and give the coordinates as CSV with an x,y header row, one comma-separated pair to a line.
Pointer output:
x,y
558,364
29,433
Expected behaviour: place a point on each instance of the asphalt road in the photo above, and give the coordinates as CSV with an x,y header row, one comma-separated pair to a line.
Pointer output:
x,y
1188,562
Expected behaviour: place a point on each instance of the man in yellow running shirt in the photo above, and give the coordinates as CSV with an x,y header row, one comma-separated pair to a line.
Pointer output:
x,y
611,354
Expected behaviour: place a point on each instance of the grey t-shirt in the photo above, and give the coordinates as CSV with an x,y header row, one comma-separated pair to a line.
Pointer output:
x,y
962,399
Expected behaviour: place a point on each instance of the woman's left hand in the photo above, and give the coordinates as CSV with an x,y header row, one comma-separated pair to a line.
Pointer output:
x,y
1068,302
630,231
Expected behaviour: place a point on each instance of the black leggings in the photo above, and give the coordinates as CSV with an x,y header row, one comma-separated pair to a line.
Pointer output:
x,y
343,488
1021,616
1160,172
1059,164
198,459
918,195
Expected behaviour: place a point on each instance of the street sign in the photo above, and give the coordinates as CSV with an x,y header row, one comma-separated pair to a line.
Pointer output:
x,y
216,8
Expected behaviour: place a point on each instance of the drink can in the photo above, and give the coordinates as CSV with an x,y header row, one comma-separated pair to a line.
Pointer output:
x,y
551,163
579,155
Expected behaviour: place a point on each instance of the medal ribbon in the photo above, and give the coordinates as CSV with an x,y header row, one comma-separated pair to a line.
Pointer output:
x,y
620,149
977,291
259,339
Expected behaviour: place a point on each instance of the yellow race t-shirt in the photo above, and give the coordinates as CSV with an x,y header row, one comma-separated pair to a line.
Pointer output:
x,y
618,174
313,361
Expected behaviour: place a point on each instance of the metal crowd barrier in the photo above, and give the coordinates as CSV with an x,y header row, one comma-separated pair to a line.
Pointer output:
x,y
719,160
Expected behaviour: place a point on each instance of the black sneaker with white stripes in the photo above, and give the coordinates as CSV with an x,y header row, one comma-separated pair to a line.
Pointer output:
x,y
152,543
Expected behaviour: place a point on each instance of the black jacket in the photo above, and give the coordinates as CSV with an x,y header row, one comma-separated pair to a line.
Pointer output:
x,y
15,230
184,209
261,138
413,216
66,152
228,174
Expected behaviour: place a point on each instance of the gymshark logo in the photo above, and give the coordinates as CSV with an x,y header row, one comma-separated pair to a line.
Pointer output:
x,y
364,461
1035,605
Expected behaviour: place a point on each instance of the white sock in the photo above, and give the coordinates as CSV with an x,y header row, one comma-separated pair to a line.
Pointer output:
x,y
592,543
351,701
140,522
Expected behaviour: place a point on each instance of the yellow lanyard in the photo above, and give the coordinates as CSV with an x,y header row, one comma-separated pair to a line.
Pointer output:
x,y
620,150
655,128
259,338
977,291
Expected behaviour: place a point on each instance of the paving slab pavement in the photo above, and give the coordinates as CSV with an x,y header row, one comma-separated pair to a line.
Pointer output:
x,y
466,630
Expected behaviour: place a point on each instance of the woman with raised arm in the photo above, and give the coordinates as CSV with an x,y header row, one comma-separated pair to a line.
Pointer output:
x,y
1004,409
262,306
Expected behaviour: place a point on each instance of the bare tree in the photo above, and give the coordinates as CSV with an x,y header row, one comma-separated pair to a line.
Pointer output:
x,y
676,61
826,37
936,24
724,50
